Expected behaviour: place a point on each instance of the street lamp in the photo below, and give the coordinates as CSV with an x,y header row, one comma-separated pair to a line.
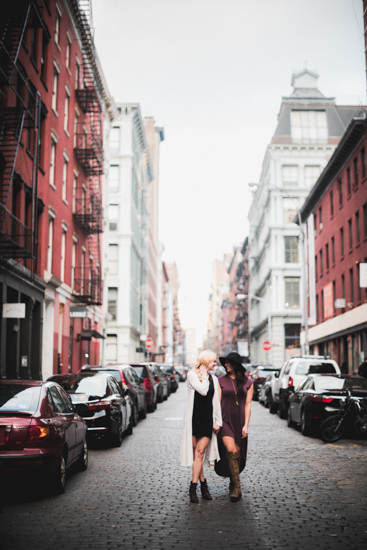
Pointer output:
x,y
303,263
241,297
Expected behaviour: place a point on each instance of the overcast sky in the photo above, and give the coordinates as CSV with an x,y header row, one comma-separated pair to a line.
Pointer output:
x,y
212,73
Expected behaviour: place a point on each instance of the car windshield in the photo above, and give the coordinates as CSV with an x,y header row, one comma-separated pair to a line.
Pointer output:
x,y
91,385
305,368
19,398
141,371
333,383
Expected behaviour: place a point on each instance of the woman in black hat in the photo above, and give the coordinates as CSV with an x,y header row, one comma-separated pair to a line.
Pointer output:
x,y
235,392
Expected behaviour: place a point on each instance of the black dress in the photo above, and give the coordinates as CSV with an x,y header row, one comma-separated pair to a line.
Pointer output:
x,y
202,416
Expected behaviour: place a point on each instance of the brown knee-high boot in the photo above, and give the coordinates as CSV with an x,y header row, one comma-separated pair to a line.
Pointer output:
x,y
234,468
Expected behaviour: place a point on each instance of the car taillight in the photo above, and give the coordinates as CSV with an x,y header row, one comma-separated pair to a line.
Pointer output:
x,y
100,406
123,380
320,399
147,383
157,379
37,432
259,379
7,433
290,382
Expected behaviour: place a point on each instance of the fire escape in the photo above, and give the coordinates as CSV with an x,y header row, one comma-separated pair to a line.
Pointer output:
x,y
89,154
20,112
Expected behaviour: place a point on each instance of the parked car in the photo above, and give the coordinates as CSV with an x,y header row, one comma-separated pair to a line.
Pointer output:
x,y
175,377
265,389
127,379
99,400
219,371
320,396
181,372
259,376
40,430
161,381
293,372
146,376
250,368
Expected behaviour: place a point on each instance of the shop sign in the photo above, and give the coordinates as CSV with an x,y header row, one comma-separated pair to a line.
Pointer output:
x,y
328,301
78,312
14,311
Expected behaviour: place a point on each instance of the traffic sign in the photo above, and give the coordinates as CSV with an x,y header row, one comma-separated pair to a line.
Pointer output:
x,y
266,345
148,343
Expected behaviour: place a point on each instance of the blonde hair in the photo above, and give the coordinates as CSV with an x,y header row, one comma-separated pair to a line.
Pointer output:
x,y
205,357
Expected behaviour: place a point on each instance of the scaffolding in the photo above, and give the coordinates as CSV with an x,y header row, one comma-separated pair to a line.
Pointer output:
x,y
20,111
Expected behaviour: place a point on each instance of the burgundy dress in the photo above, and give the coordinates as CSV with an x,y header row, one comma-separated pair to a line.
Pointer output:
x,y
233,416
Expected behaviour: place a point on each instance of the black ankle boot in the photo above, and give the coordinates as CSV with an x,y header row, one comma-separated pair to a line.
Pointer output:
x,y
192,491
205,491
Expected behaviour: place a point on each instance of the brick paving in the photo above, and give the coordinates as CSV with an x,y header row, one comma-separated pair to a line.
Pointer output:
x,y
298,493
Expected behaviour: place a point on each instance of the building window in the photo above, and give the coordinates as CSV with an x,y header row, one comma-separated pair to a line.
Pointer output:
x,y
316,268
317,309
333,250
66,109
355,166
63,249
311,175
331,203
351,285
320,216
290,176
292,293
340,187
73,259
334,296
350,230
76,119
349,186
114,178
292,338
75,184
55,85
342,242
68,48
358,285
113,252
343,287
321,263
289,210
327,255
309,126
44,56
365,219
65,178
115,139
52,162
358,234
322,306
50,243
113,214
34,45
77,74
363,162
291,249
112,302
111,347
315,222
57,25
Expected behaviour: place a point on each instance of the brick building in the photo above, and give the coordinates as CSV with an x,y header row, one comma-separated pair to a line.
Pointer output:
x,y
55,112
334,218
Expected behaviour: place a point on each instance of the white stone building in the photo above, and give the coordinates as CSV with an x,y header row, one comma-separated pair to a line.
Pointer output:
x,y
129,175
308,130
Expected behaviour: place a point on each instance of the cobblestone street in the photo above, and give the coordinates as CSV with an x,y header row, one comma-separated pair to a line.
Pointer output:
x,y
297,493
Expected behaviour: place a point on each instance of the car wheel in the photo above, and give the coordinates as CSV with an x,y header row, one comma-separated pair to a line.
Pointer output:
x,y
305,429
117,440
266,401
83,459
129,430
160,398
134,414
272,405
155,405
143,413
290,422
332,429
282,411
59,478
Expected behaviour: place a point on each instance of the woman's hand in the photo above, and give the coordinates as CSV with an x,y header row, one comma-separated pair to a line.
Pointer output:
x,y
244,432
216,428
203,371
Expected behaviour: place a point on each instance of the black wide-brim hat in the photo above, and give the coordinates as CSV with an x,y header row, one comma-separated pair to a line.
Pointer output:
x,y
232,357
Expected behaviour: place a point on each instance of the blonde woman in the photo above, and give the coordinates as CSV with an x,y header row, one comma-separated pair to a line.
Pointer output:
x,y
202,422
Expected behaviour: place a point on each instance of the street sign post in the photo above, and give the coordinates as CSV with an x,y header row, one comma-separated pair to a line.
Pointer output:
x,y
148,343
266,345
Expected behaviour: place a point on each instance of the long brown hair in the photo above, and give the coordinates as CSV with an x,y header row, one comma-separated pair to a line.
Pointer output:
x,y
241,378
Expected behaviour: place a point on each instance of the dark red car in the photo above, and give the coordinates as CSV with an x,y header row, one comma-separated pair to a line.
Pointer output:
x,y
40,430
146,375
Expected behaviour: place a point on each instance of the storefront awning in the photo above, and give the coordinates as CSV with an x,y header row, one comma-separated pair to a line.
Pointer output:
x,y
89,334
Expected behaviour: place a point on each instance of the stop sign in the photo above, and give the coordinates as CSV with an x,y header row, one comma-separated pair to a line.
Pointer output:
x,y
266,345
148,343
